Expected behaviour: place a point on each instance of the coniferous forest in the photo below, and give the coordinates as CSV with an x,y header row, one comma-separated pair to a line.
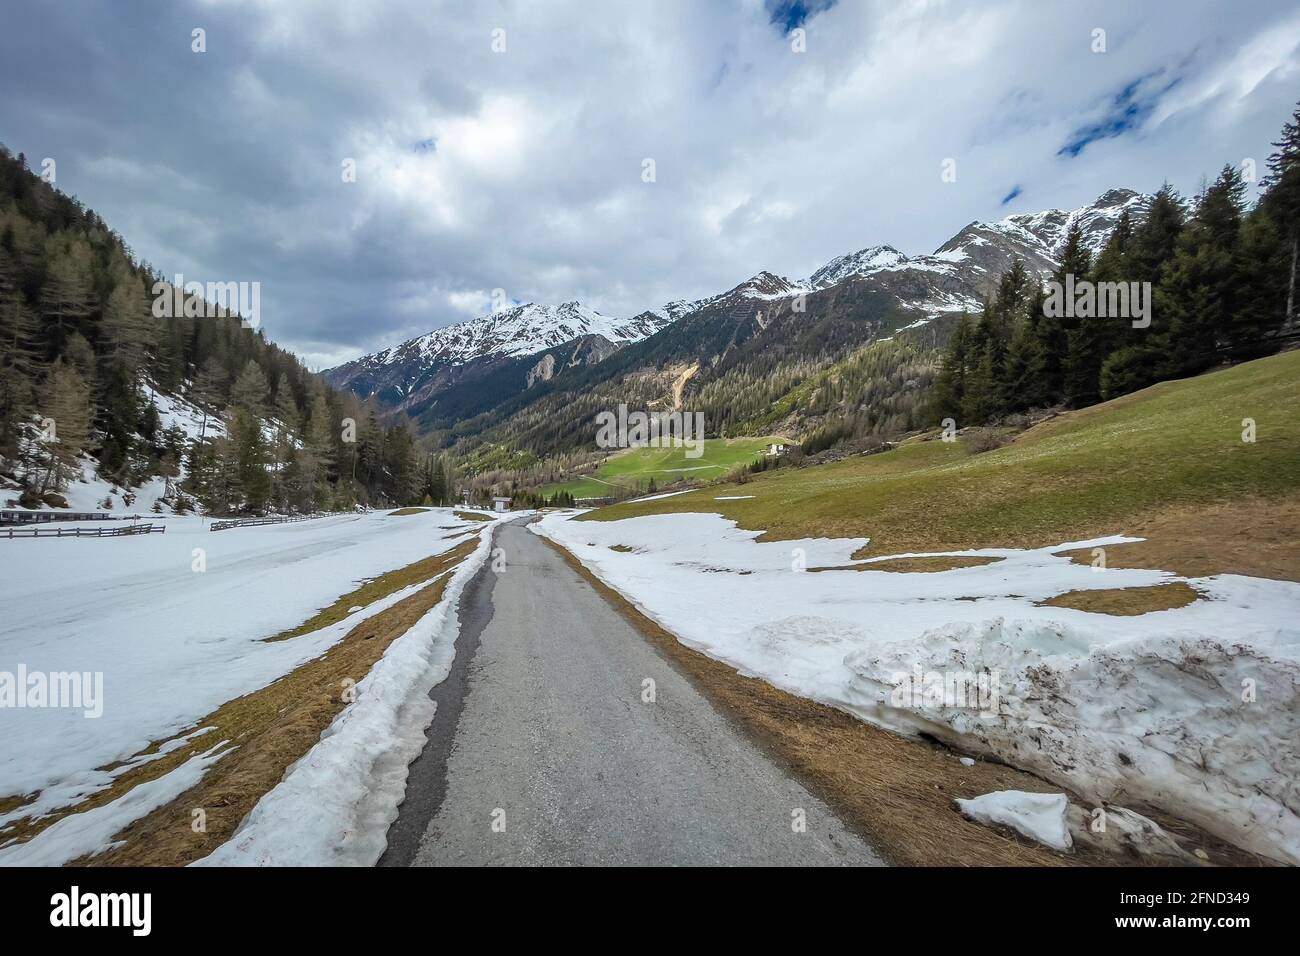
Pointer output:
x,y
1222,277
83,355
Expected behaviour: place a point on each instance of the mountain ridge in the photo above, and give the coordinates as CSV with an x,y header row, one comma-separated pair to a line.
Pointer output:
x,y
515,349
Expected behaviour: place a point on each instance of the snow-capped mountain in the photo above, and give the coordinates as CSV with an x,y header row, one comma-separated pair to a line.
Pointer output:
x,y
521,330
411,373
864,262
485,351
962,270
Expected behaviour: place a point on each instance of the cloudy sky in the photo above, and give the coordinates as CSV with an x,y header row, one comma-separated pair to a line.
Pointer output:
x,y
504,145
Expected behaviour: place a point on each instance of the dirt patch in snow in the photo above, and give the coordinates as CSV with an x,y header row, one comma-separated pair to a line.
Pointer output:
x,y
940,562
1256,537
1127,602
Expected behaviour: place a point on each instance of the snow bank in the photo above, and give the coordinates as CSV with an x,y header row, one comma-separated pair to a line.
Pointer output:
x,y
1194,710
1039,816
335,805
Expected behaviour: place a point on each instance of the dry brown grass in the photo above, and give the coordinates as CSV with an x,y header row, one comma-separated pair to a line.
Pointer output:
x,y
924,565
1256,537
403,512
472,516
1127,602
266,731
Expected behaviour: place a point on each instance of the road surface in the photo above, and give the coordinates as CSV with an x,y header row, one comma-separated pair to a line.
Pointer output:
x,y
544,750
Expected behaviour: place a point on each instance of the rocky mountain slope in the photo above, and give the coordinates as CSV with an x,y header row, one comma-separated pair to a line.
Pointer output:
x,y
493,367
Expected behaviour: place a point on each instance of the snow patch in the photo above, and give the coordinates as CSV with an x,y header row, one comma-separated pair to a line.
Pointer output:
x,y
1039,816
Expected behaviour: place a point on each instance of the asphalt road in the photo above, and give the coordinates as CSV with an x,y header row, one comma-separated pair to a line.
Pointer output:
x,y
544,752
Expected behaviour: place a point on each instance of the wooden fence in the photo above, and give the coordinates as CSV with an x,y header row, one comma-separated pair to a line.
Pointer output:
x,y
22,516
82,532
254,522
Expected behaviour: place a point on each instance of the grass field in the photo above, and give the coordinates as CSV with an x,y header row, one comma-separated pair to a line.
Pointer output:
x,y
1170,458
634,468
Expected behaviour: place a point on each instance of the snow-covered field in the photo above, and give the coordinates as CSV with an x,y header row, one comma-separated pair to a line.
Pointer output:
x,y
1193,710
175,622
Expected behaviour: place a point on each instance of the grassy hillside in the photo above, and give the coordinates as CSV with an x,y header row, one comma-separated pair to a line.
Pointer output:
x,y
1169,458
633,468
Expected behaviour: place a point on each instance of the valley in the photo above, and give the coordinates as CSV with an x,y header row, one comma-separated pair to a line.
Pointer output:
x,y
767,433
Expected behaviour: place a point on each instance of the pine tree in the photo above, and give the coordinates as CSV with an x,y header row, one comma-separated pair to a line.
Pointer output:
x,y
1093,338
438,490
1200,286
18,367
1156,238
950,387
1263,261
67,297
1027,375
65,410
319,452
210,390
1282,200
250,391
127,328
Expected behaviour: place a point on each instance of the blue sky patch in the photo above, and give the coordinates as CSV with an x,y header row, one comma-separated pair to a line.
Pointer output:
x,y
787,15
1127,110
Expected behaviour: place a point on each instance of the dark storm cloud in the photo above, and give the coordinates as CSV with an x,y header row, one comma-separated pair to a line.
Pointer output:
x,y
522,169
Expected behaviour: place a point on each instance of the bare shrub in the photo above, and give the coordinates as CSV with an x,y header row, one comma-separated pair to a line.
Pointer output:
x,y
976,441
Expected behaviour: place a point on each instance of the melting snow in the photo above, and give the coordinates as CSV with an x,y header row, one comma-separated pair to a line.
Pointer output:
x,y
1150,709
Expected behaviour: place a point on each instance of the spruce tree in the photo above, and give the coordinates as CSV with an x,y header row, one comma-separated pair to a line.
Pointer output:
x,y
1093,338
1027,376
1201,285
1282,200
950,387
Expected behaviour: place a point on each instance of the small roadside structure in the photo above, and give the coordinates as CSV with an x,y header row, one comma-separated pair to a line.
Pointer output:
x,y
500,504
776,449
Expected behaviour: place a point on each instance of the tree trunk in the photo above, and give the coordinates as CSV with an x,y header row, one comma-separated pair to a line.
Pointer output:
x,y
1290,291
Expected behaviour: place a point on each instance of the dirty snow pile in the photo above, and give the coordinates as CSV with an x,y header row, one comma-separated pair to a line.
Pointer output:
x,y
1193,710
174,625
335,805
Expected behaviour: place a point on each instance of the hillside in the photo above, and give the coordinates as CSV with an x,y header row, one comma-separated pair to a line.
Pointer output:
x,y
1167,462
1123,576
632,470
107,400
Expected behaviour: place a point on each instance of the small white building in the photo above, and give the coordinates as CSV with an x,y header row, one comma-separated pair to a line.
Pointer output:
x,y
500,504
776,448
